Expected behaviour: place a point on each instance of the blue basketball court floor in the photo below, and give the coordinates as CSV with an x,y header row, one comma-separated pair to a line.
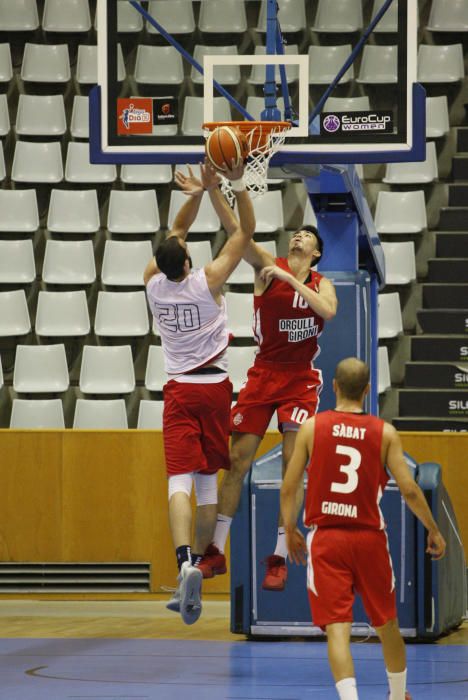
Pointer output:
x,y
137,650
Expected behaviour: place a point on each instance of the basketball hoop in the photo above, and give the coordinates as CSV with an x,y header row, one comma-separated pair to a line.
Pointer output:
x,y
264,139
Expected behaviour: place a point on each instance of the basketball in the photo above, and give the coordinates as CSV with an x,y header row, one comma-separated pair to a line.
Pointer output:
x,y
224,144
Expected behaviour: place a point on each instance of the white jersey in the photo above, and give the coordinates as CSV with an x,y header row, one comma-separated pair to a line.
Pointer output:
x,y
192,326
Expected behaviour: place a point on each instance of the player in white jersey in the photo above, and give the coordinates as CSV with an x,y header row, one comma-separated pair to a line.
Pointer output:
x,y
190,313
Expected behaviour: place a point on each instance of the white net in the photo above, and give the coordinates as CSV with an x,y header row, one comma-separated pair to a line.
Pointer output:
x,y
263,142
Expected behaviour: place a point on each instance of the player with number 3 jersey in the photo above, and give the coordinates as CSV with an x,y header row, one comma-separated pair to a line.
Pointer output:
x,y
346,453
291,303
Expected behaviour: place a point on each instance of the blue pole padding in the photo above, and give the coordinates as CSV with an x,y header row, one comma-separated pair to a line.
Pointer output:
x,y
189,58
284,81
350,60
271,112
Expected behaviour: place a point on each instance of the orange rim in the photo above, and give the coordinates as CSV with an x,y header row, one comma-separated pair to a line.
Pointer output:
x,y
248,126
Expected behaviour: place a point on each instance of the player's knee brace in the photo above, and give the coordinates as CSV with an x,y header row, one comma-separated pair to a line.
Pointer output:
x,y
206,489
180,483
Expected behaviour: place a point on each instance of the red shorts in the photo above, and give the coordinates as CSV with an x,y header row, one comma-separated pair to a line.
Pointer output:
x,y
344,561
196,427
292,393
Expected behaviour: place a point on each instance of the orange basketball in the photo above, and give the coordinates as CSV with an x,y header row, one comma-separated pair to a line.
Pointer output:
x,y
224,144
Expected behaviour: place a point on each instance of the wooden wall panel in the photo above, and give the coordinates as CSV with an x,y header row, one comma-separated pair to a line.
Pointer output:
x,y
102,496
30,496
450,450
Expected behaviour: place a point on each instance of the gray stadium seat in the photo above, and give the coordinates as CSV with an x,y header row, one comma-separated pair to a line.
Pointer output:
x,y
133,211
14,314
225,75
341,16
151,174
40,369
326,61
69,262
155,375
414,173
150,415
43,414
86,64
39,115
292,15
401,212
6,68
192,119
107,370
222,17
389,22
207,220
383,364
240,314
73,211
158,65
79,124
37,162
79,169
124,262
379,65
18,16
390,323
400,262
121,314
4,116
448,16
19,211
176,16
440,64
257,74
62,314
66,16
43,63
17,262
102,414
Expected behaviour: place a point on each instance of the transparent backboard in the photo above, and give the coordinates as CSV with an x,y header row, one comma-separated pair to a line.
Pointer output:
x,y
151,101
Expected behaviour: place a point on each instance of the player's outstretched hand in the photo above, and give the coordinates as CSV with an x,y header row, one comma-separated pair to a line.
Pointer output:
x,y
234,171
296,544
209,177
436,545
189,184
271,272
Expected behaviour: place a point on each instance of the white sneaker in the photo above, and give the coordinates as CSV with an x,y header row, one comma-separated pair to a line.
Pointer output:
x,y
174,603
189,590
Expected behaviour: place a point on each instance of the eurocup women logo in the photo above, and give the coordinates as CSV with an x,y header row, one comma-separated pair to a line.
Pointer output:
x,y
331,123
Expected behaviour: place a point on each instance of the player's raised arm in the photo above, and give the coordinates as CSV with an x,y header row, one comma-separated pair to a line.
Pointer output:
x,y
294,474
192,187
411,492
254,254
221,268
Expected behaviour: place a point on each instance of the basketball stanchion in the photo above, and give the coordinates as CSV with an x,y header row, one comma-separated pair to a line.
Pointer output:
x,y
264,138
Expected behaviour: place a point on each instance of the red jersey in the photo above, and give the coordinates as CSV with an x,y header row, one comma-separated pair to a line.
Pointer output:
x,y
285,327
346,477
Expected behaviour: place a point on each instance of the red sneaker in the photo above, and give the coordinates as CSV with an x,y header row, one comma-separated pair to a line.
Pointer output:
x,y
276,573
213,563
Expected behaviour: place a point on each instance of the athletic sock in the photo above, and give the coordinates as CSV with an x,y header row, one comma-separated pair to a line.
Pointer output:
x,y
281,549
196,558
183,554
347,689
397,684
223,523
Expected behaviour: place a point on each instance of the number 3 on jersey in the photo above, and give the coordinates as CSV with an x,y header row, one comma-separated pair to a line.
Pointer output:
x,y
350,469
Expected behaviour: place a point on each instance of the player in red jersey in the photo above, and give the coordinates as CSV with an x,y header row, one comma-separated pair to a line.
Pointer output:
x,y
291,303
345,452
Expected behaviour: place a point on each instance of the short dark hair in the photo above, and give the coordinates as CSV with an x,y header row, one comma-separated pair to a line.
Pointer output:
x,y
313,229
352,377
170,258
